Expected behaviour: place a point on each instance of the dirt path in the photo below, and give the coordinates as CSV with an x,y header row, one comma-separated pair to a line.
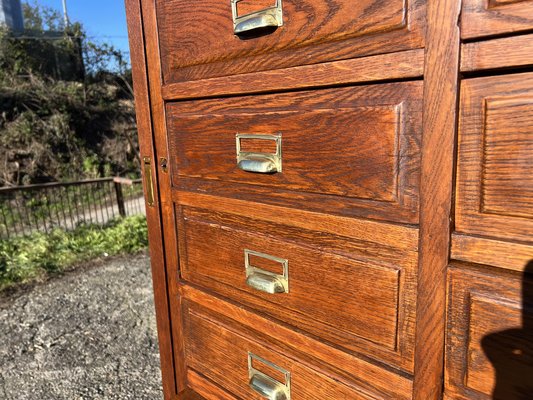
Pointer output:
x,y
88,335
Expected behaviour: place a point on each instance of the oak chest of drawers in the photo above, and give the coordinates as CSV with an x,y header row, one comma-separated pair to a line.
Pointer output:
x,y
339,196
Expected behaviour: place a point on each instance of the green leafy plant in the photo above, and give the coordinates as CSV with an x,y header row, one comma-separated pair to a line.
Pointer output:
x,y
54,129
40,255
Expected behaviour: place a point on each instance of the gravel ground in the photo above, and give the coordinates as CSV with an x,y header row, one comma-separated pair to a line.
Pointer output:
x,y
89,334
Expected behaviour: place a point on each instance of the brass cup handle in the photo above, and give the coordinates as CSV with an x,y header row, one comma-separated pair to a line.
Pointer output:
x,y
264,385
265,283
263,280
268,387
262,163
259,165
271,17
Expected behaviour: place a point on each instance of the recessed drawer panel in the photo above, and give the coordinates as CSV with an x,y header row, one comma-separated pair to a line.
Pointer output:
x,y
495,163
249,370
362,305
495,17
489,352
307,149
202,39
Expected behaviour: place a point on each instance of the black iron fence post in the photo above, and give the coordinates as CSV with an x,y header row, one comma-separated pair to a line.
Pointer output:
x,y
42,207
120,197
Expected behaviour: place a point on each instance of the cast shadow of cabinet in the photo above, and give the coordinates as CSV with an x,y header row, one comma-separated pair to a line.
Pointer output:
x,y
511,351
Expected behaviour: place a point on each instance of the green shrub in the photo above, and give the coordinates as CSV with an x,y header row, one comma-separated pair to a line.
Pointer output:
x,y
57,125
39,255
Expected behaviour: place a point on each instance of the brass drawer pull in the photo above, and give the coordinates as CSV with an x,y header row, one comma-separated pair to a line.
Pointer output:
x,y
150,196
266,281
271,17
266,386
263,163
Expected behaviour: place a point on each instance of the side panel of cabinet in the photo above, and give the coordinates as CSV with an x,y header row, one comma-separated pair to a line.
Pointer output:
x,y
495,164
153,213
495,17
489,349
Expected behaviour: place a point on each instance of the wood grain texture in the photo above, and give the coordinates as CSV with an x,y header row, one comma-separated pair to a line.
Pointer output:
x,y
497,3
402,237
507,255
495,164
364,377
512,52
189,394
360,303
155,229
504,141
436,187
353,151
380,320
482,18
164,187
314,31
494,313
222,355
401,65
343,152
206,388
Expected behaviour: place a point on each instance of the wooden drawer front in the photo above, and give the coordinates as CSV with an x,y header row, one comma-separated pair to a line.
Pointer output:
x,y
494,17
495,164
362,306
489,351
221,354
353,151
197,39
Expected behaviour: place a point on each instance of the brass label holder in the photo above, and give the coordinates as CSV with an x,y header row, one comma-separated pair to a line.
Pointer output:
x,y
263,163
266,386
263,280
271,17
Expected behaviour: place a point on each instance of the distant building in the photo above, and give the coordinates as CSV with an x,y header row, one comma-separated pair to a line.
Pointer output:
x,y
11,15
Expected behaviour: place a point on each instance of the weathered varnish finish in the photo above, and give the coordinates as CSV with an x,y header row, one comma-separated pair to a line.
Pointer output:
x,y
494,312
402,216
495,17
197,39
487,55
351,370
220,354
377,291
495,168
360,157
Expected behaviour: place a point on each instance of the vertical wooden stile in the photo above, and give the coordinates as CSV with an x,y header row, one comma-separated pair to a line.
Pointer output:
x,y
441,77
168,217
153,214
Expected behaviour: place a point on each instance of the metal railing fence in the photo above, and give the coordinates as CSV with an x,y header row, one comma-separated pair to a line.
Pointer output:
x,y
43,207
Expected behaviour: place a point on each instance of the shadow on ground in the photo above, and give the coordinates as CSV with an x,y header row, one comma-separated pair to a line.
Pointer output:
x,y
88,335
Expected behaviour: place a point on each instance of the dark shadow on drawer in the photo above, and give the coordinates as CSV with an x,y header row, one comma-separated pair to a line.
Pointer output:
x,y
511,351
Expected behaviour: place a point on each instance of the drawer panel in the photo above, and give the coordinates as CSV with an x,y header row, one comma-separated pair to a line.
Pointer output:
x,y
362,145
495,163
362,305
231,359
489,351
481,18
197,38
